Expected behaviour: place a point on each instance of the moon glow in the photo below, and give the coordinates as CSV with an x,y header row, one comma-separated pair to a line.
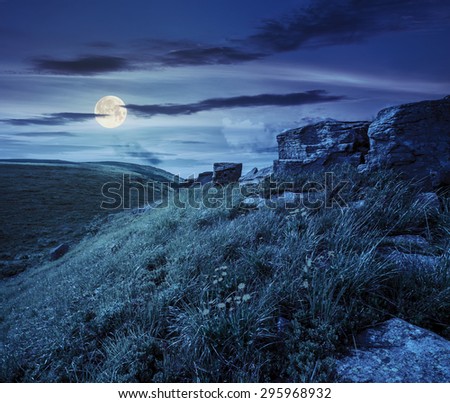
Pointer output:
x,y
114,111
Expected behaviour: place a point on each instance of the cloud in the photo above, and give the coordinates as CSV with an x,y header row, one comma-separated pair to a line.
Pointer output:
x,y
208,55
325,23
43,134
245,101
146,55
136,150
321,23
101,45
85,65
191,142
53,119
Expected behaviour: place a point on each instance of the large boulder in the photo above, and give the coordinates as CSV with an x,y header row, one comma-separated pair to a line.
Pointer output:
x,y
204,178
413,139
226,172
321,145
396,351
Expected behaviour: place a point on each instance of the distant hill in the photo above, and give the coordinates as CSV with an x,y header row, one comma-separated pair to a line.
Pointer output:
x,y
44,203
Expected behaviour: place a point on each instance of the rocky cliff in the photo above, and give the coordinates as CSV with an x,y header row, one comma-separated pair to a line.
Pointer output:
x,y
413,139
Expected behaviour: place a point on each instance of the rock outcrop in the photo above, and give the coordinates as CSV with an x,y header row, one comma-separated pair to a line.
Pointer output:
x,y
397,351
413,139
321,145
226,172
256,176
204,178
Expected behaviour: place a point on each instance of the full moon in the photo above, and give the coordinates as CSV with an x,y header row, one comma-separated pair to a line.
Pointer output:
x,y
113,109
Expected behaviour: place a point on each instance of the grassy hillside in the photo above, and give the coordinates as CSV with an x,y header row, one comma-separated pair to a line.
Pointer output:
x,y
46,203
187,295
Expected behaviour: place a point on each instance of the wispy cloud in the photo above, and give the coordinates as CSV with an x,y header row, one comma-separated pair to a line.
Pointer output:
x,y
136,150
53,119
325,23
203,55
244,101
85,65
322,23
42,134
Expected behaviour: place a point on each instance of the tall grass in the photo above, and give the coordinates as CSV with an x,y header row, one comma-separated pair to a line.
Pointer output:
x,y
224,295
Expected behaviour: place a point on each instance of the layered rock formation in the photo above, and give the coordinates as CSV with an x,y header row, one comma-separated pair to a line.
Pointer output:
x,y
226,172
321,145
413,139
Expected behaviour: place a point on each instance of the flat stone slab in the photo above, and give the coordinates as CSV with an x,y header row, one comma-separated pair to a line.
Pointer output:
x,y
396,351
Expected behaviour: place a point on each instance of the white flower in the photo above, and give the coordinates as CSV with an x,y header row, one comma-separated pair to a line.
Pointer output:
x,y
241,286
246,297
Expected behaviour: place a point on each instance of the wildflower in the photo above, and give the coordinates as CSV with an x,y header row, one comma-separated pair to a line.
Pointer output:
x,y
205,312
309,262
305,284
241,286
228,300
220,279
221,305
238,298
224,273
215,282
221,268
246,297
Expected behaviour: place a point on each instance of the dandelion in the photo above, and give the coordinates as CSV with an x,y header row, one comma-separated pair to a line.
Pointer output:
x,y
246,297
221,305
241,286
205,312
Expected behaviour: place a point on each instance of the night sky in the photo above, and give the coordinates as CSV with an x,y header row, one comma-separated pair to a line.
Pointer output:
x,y
207,80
